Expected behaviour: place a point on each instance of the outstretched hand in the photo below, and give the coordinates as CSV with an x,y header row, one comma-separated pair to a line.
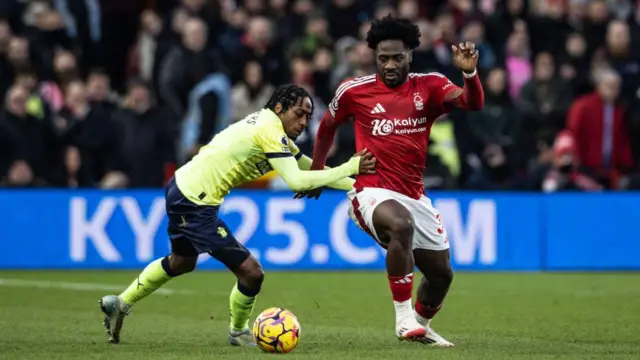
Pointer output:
x,y
311,194
465,56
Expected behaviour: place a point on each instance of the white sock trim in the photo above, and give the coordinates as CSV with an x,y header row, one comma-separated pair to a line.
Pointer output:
x,y
421,320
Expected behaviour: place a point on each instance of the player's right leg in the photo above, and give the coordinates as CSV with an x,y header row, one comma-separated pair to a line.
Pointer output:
x,y
390,223
393,225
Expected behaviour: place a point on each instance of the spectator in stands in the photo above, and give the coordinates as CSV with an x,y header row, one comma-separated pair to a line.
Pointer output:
x,y
595,25
383,9
544,102
344,19
316,35
502,23
185,67
494,132
35,106
446,31
45,30
517,61
65,67
563,172
574,65
597,121
14,171
236,23
33,138
99,91
65,70
548,27
424,58
409,9
321,74
88,142
146,136
207,11
252,93
147,54
474,32
624,59
14,57
346,59
258,45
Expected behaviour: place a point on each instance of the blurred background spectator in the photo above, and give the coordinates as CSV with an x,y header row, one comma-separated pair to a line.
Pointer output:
x,y
119,93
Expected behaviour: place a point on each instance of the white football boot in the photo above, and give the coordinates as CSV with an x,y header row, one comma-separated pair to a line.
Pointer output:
x,y
114,310
241,338
431,337
409,329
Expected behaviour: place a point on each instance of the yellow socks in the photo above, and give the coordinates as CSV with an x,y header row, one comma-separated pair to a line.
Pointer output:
x,y
149,280
241,302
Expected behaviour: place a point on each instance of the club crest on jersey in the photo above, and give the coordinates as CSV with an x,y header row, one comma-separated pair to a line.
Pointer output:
x,y
418,101
284,142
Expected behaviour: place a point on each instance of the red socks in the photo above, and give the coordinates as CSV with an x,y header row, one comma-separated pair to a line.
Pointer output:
x,y
425,311
401,287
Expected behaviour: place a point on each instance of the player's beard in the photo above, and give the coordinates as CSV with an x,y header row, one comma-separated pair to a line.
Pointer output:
x,y
399,79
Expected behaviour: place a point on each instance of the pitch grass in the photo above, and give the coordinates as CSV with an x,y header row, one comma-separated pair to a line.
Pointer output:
x,y
343,316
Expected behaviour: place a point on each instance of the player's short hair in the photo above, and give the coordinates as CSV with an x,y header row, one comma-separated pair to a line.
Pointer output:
x,y
287,95
393,28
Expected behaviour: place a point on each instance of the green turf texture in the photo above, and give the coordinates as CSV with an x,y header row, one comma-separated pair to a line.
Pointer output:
x,y
342,315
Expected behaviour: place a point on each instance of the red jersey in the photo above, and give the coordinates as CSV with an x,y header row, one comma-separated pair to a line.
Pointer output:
x,y
394,125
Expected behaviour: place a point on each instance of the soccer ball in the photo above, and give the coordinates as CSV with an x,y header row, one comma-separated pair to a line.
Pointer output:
x,y
276,330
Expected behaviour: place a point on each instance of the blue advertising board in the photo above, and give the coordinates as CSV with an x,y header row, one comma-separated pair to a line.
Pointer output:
x,y
95,229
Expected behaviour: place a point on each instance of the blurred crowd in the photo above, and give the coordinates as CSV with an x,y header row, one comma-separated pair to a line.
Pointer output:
x,y
117,93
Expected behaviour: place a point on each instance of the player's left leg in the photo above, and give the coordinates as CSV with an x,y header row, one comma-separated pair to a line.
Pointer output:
x,y
432,258
154,276
249,276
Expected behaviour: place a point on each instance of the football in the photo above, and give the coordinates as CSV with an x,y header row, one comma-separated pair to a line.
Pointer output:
x,y
276,330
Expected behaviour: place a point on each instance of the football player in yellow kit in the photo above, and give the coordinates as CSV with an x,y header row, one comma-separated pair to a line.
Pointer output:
x,y
241,153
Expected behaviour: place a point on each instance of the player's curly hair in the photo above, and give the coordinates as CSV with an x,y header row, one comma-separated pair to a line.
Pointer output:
x,y
393,28
287,95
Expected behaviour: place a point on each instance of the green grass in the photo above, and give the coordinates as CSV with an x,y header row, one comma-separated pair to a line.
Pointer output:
x,y
343,316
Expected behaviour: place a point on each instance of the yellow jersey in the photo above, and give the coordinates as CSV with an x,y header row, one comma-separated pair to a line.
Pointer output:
x,y
245,151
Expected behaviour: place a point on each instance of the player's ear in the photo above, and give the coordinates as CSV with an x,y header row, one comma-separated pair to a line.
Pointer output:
x,y
278,108
410,56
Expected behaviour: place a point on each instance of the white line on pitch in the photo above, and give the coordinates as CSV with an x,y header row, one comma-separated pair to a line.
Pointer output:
x,y
79,286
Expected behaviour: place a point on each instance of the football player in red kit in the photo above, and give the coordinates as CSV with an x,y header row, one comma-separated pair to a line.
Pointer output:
x,y
393,111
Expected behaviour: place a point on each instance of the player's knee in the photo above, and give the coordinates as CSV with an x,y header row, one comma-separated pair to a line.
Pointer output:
x,y
252,276
400,229
181,264
255,277
448,276
444,276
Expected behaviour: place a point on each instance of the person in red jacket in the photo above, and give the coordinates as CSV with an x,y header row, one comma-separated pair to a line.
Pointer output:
x,y
596,121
